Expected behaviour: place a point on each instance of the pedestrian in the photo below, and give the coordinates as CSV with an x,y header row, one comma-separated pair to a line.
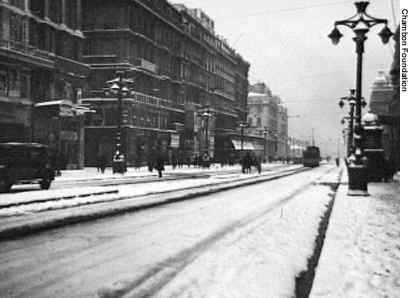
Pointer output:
x,y
159,165
174,161
101,163
150,162
246,163
337,160
137,163
206,160
258,164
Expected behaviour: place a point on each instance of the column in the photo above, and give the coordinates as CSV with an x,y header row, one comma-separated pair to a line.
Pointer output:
x,y
79,15
64,21
47,9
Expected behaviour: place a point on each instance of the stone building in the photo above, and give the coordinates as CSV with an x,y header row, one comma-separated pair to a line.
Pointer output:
x,y
189,86
283,139
40,75
380,104
263,109
394,107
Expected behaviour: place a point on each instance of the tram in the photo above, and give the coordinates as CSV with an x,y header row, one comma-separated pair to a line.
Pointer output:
x,y
311,156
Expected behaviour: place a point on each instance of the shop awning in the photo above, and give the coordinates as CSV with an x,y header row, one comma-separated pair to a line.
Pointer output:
x,y
247,145
63,108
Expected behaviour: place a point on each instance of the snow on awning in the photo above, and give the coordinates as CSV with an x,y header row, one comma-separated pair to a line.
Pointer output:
x,y
49,103
64,108
247,145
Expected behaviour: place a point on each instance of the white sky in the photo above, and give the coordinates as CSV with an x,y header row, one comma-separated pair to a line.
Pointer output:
x,y
287,45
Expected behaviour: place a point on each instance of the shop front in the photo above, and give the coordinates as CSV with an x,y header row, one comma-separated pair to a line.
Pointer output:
x,y
59,124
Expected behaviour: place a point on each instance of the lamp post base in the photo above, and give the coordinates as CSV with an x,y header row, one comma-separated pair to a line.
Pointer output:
x,y
358,182
119,165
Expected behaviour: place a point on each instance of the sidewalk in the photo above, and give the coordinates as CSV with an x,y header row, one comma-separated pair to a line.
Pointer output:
x,y
360,256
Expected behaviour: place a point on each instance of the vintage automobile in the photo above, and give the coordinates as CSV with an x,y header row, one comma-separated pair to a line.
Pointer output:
x,y
22,163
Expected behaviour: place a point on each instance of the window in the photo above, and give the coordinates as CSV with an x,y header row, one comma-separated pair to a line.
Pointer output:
x,y
3,82
24,85
16,27
55,11
258,122
17,3
37,7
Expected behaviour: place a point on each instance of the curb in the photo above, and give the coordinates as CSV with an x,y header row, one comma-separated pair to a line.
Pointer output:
x,y
58,198
36,225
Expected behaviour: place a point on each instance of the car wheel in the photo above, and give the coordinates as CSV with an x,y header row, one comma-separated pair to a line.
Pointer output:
x,y
45,183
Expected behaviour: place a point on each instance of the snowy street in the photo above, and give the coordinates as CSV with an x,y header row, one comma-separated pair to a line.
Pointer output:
x,y
249,241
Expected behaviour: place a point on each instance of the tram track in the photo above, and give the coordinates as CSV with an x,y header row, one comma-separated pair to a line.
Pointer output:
x,y
114,193
24,224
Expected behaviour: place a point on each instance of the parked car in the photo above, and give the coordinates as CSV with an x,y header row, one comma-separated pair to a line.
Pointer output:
x,y
25,163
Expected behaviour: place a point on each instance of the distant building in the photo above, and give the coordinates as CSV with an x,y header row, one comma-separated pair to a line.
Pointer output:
x,y
394,108
283,139
380,104
381,95
268,118
41,74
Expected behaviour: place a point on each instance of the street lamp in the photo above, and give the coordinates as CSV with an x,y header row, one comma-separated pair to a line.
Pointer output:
x,y
206,115
351,99
242,126
265,135
360,24
119,87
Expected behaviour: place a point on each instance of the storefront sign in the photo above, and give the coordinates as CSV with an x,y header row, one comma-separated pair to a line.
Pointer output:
x,y
68,135
174,140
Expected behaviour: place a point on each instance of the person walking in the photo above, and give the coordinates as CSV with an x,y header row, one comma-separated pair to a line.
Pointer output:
x,y
206,160
174,161
246,163
159,165
258,164
102,163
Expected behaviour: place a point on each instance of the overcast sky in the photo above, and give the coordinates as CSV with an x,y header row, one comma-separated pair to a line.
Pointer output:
x,y
287,46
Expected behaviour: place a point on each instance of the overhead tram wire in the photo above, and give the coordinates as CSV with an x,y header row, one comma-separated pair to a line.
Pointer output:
x,y
393,13
268,12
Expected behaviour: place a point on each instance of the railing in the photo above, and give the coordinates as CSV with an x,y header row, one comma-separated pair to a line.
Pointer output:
x,y
101,59
156,101
24,48
146,64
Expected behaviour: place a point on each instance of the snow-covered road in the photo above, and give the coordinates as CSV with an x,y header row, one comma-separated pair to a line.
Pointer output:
x,y
247,242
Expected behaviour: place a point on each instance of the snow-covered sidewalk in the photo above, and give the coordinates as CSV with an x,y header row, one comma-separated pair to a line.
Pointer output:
x,y
91,173
360,256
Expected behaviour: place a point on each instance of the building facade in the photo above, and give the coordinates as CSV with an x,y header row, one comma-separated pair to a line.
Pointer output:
x,y
283,139
40,75
394,107
263,113
269,118
189,86
383,104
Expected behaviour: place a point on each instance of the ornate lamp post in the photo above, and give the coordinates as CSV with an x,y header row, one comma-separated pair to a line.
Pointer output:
x,y
351,99
242,126
119,88
206,115
360,24
265,135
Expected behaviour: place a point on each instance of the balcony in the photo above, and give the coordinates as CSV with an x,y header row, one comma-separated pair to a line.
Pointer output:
x,y
145,64
157,102
28,52
101,59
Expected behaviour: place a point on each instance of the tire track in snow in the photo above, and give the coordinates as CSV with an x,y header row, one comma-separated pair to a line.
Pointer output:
x,y
163,272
